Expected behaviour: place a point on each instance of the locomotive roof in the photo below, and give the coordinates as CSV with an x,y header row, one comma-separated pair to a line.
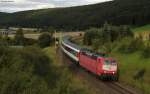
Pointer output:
x,y
92,53
66,40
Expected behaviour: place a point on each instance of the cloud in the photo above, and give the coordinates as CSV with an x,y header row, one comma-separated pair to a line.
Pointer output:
x,y
21,5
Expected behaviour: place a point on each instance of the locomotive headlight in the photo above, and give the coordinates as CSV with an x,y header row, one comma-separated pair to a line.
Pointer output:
x,y
113,72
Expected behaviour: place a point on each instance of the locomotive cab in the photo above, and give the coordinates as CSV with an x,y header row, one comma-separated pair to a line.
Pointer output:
x,y
109,68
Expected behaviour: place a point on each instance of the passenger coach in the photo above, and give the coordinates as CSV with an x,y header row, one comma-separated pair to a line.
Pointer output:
x,y
70,49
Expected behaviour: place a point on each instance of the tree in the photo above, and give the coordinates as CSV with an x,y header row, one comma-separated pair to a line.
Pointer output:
x,y
20,65
51,30
45,40
107,30
130,45
146,51
19,37
96,44
125,32
90,35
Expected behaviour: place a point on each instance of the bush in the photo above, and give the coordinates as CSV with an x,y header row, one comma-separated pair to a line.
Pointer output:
x,y
45,40
146,52
29,41
24,71
19,37
29,71
96,44
130,45
140,74
89,36
106,34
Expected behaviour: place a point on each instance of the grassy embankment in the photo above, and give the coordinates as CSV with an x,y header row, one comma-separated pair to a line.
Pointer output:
x,y
76,84
143,32
130,65
142,29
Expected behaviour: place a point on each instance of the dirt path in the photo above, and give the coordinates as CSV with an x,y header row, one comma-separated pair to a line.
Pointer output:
x,y
100,87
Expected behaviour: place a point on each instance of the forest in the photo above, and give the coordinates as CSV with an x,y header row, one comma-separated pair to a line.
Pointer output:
x,y
117,12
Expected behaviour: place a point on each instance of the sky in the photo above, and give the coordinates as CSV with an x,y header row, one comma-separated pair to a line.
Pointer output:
x,y
21,5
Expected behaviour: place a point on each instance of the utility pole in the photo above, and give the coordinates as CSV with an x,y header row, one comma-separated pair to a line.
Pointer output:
x,y
55,39
60,37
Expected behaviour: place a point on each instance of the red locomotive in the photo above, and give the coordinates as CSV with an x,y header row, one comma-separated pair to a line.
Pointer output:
x,y
97,63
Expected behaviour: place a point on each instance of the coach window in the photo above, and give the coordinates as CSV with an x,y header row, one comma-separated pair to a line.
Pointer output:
x,y
74,52
83,53
94,57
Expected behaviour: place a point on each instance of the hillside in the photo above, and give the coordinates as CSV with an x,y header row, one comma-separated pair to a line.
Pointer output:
x,y
132,12
145,28
142,32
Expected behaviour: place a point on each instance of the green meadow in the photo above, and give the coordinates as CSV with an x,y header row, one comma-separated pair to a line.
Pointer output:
x,y
131,65
145,28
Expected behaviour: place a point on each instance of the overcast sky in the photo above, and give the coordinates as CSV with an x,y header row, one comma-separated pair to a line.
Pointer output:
x,y
20,5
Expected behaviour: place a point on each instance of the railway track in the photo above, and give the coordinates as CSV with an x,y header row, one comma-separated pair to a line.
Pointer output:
x,y
102,87
122,90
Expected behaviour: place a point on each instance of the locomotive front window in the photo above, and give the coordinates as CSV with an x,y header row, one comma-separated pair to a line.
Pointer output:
x,y
107,62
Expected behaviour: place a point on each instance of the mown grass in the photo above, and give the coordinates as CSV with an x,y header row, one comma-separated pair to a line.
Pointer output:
x,y
130,65
145,28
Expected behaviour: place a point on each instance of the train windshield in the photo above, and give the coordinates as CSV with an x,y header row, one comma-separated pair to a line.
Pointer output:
x,y
110,62
107,62
102,54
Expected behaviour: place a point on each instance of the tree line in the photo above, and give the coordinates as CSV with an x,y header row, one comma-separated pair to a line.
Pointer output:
x,y
111,38
117,12
45,39
29,70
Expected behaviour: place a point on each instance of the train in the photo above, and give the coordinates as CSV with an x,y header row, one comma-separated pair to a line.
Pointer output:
x,y
97,63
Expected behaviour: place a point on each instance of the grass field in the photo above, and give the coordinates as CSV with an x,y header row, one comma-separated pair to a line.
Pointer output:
x,y
143,32
36,35
145,28
130,65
